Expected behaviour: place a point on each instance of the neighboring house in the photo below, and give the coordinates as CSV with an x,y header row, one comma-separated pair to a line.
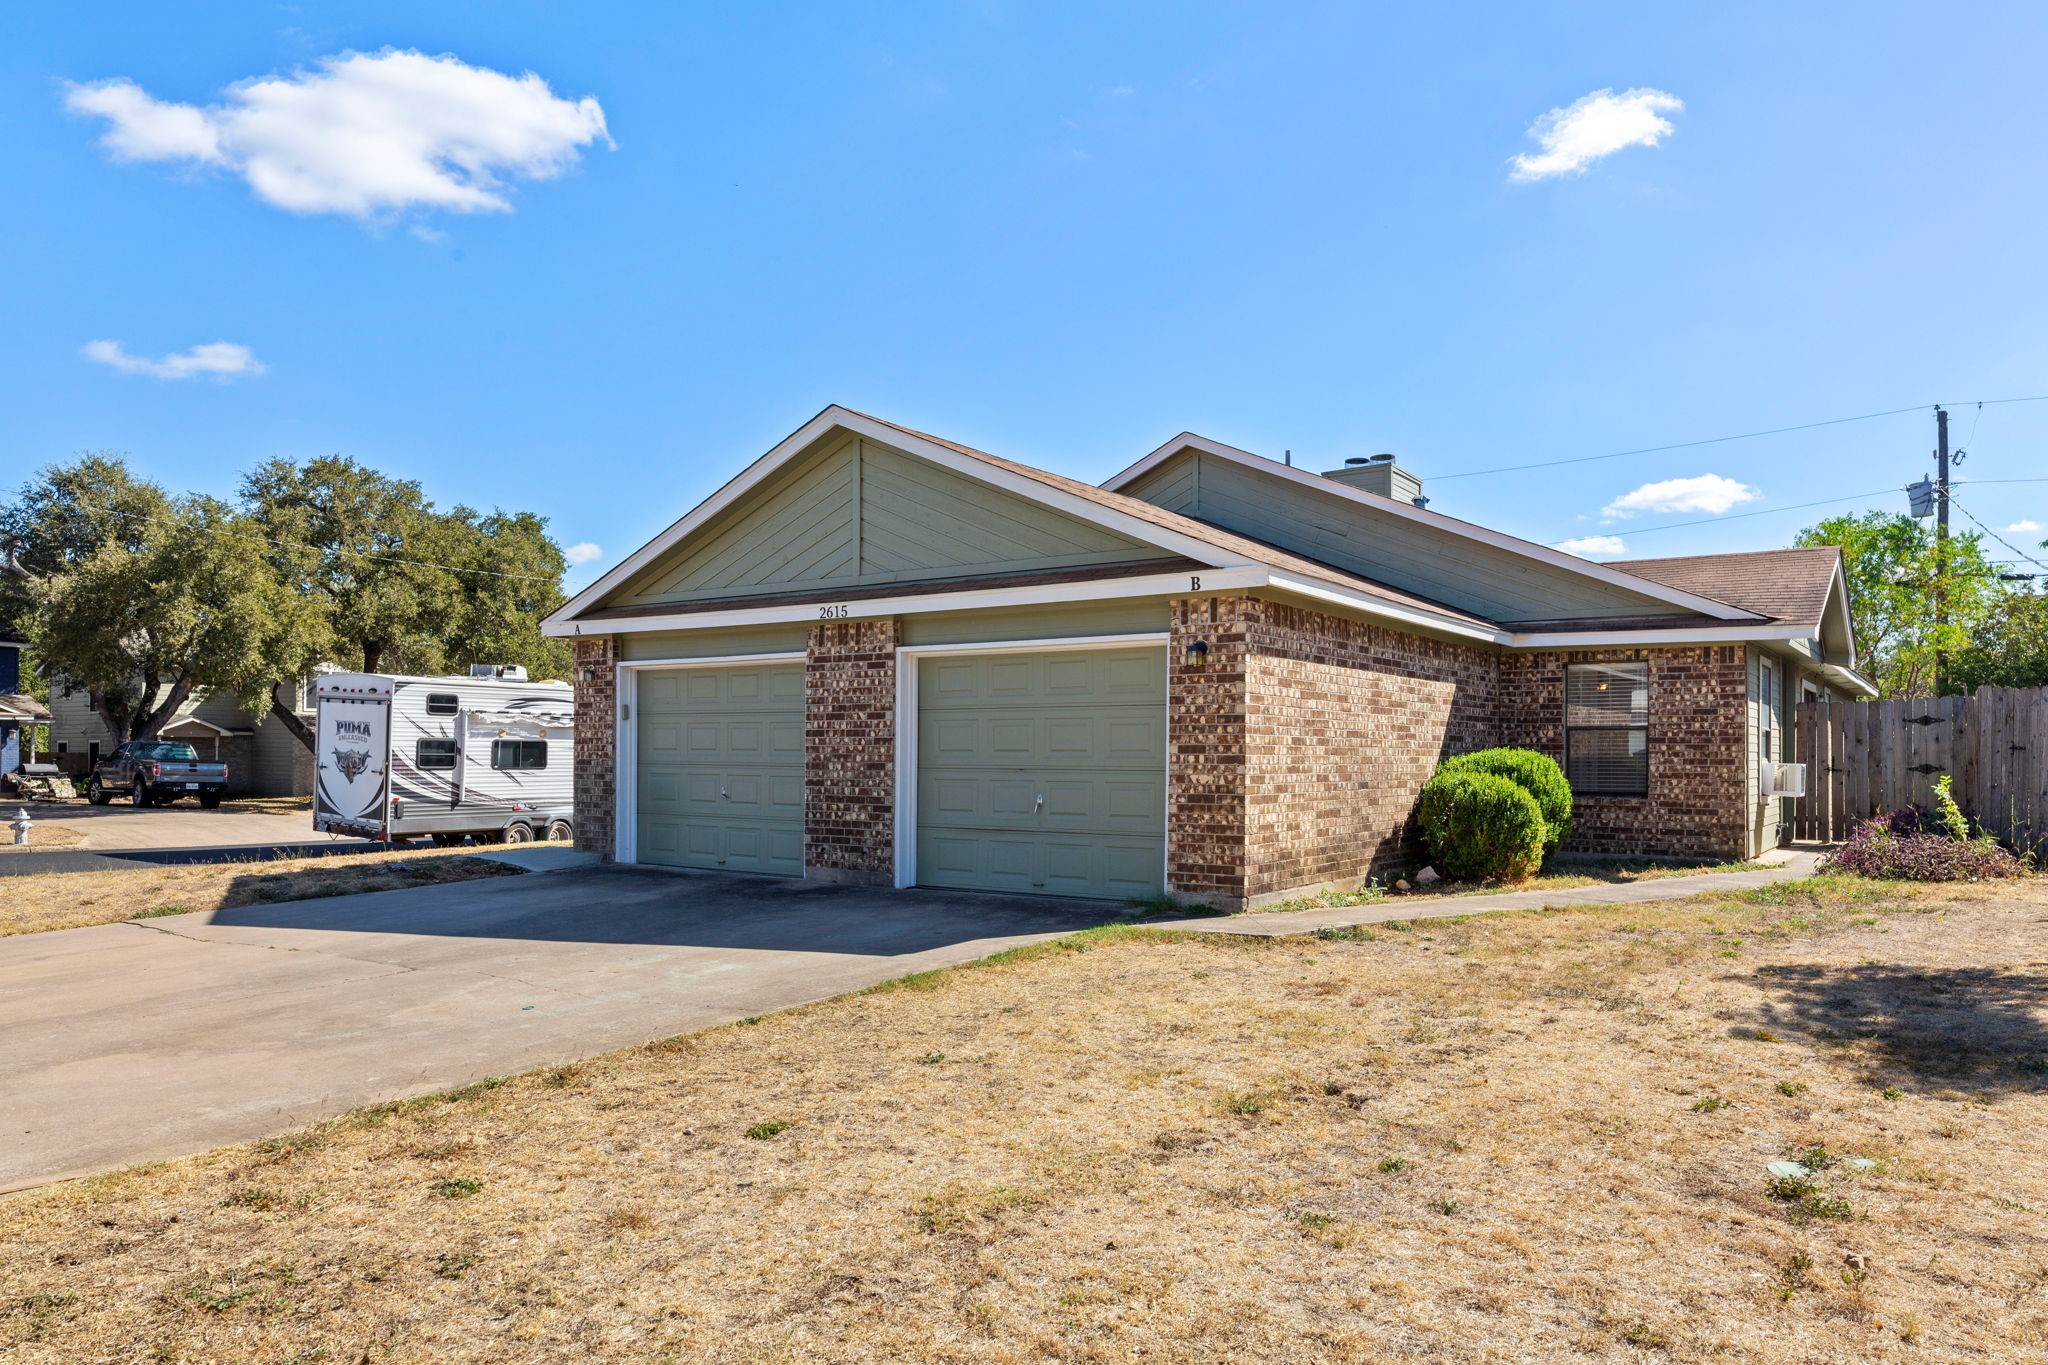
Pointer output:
x,y
18,711
264,758
876,656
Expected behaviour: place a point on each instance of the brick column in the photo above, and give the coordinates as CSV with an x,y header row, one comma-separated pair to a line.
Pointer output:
x,y
1205,738
597,744
850,752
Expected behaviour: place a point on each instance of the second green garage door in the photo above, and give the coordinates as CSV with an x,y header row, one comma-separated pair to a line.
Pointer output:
x,y
720,757
1043,772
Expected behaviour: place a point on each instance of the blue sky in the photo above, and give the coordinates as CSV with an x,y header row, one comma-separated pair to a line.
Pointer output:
x,y
1060,232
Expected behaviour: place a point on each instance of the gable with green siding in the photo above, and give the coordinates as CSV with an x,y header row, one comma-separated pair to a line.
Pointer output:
x,y
854,513
1497,584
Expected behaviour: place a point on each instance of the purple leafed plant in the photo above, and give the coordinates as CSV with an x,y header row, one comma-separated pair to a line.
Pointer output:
x,y
1911,846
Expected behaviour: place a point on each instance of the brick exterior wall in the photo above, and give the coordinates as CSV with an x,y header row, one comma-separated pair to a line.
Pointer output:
x,y
1205,742
850,752
1345,723
1299,747
597,744
1699,746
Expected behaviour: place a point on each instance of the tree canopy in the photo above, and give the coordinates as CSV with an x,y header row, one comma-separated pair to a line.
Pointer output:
x,y
1897,574
137,597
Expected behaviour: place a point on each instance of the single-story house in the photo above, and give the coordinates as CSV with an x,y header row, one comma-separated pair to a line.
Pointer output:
x,y
881,657
264,757
18,711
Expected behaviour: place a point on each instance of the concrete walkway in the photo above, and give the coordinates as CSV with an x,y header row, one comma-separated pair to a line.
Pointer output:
x,y
1793,864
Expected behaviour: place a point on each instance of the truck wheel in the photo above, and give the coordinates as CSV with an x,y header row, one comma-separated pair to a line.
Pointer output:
x,y
209,800
559,832
519,834
138,795
95,793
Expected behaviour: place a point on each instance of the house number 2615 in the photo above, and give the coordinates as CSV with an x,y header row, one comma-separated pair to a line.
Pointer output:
x,y
832,613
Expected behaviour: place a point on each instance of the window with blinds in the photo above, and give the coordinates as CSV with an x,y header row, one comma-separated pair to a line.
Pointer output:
x,y
1607,729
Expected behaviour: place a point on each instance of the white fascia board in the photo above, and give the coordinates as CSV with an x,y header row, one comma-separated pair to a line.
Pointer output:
x,y
1849,678
1838,600
1683,635
1148,585
1437,521
858,424
183,721
1409,617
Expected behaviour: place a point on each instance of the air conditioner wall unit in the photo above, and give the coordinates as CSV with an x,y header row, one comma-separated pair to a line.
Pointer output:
x,y
1780,779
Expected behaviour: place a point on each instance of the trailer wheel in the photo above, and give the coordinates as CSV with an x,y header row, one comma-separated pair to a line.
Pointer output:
x,y
519,834
559,832
209,800
446,840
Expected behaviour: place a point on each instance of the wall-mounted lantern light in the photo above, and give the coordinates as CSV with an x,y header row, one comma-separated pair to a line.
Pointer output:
x,y
1197,653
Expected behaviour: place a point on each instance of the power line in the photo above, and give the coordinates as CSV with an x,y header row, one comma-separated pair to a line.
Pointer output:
x,y
1719,440
1995,536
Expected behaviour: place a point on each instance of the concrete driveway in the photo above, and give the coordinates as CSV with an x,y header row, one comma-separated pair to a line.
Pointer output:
x,y
118,837
155,1038
120,827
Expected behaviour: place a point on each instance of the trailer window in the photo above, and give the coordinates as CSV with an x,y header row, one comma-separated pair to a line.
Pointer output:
x,y
434,753
443,703
519,753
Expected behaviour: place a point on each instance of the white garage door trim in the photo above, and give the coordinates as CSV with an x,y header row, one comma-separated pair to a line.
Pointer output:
x,y
626,750
906,723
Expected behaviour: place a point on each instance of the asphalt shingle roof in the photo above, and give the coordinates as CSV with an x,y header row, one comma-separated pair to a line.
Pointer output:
x,y
1786,585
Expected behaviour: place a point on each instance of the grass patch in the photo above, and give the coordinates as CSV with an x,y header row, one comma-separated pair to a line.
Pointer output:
x,y
1100,1170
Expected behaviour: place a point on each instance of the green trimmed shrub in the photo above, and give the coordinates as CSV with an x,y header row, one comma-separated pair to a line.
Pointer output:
x,y
1481,827
1536,774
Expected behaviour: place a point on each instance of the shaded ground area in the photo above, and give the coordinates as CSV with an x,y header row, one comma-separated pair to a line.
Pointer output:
x,y
1535,1136
173,1034
163,884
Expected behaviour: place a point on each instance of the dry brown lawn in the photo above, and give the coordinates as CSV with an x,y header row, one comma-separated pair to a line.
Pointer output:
x,y
1560,876
69,900
1530,1137
42,836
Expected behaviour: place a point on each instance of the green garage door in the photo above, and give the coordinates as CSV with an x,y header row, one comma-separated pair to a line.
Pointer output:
x,y
721,768
1043,772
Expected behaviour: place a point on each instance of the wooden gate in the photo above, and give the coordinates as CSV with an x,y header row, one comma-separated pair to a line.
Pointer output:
x,y
1865,758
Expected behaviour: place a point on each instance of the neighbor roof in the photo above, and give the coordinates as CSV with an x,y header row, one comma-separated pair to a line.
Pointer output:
x,y
1791,586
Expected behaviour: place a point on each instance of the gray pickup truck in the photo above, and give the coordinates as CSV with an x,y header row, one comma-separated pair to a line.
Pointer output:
x,y
156,772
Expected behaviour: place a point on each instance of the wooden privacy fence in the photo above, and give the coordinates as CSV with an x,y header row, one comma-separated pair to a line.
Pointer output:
x,y
1865,758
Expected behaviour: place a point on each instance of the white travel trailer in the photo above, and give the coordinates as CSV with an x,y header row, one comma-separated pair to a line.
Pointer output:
x,y
489,755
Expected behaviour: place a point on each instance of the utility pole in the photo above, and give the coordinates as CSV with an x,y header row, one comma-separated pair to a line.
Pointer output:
x,y
1940,547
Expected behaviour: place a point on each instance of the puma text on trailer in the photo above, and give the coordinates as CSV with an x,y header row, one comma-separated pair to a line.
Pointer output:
x,y
400,757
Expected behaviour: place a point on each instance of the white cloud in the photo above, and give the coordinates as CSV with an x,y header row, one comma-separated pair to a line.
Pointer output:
x,y
222,360
2022,527
1589,128
1592,547
583,551
1709,493
362,134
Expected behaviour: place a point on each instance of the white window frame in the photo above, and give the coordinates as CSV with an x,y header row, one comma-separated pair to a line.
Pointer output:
x,y
1770,681
626,736
906,728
